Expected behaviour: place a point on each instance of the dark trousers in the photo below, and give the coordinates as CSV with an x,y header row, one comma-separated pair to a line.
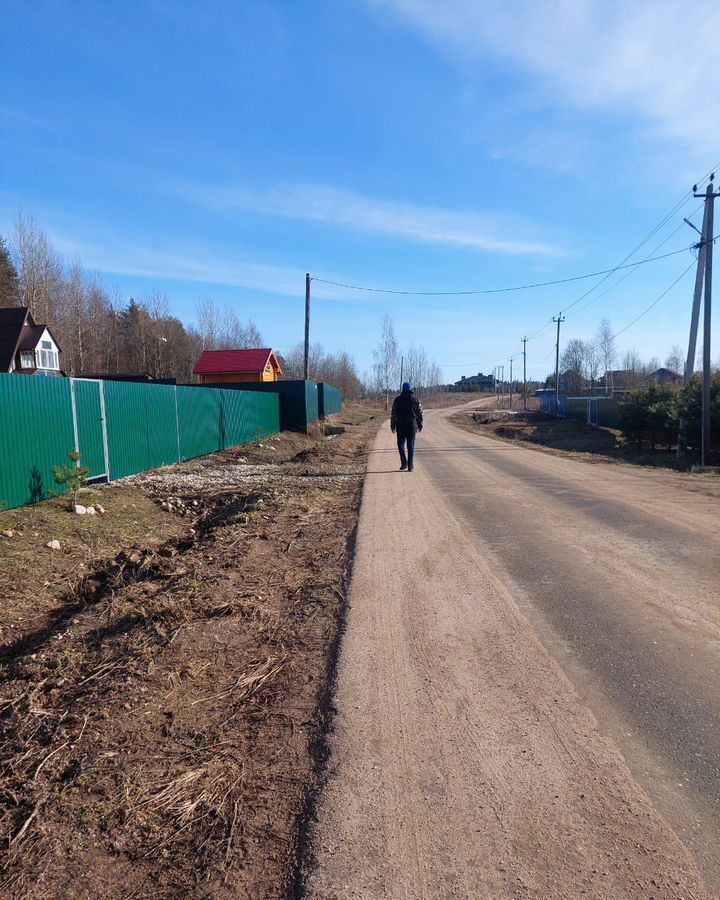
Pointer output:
x,y
408,438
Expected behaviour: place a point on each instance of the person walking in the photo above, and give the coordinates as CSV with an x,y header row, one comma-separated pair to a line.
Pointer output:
x,y
406,419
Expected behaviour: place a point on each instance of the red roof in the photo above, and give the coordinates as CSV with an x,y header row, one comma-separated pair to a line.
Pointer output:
x,y
233,362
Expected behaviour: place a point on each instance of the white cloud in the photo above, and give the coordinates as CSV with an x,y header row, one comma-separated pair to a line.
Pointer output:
x,y
652,59
425,224
194,264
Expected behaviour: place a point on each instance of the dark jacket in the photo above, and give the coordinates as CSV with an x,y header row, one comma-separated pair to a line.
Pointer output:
x,y
407,414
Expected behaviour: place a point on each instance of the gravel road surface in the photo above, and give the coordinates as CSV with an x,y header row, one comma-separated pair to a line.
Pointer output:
x,y
528,700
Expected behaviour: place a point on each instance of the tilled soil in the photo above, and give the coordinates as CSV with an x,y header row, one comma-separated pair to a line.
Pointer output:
x,y
163,723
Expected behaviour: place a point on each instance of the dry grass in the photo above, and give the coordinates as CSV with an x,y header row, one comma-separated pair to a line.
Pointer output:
x,y
158,721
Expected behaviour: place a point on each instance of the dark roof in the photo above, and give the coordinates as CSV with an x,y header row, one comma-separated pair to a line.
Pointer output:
x,y
233,362
30,337
12,319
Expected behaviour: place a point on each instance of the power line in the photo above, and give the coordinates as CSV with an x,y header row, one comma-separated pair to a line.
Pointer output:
x,y
655,302
505,290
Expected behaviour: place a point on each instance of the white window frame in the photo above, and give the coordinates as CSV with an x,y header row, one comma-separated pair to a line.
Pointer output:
x,y
48,356
27,359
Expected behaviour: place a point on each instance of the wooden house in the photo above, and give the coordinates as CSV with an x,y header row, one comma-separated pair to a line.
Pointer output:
x,y
27,348
233,366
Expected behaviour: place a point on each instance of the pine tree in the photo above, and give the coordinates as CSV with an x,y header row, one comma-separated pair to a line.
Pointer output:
x,y
9,284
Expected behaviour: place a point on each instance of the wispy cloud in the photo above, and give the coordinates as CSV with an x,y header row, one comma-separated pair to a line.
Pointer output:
x,y
648,59
333,206
189,264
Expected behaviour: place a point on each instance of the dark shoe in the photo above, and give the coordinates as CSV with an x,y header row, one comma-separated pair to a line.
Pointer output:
x,y
403,466
410,468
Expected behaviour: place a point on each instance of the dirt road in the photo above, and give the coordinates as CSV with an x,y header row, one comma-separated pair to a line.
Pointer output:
x,y
528,700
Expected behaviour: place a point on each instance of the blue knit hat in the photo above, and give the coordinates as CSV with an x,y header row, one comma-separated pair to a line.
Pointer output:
x,y
407,387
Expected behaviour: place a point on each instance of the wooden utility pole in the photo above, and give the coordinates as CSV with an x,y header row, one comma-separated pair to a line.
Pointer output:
x,y
706,445
692,342
307,326
560,318
524,343
511,381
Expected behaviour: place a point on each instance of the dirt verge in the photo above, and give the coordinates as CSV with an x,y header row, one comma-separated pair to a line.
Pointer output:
x,y
562,437
160,717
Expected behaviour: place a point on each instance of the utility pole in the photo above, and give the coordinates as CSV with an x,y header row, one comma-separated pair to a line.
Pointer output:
x,y
694,319
524,343
560,318
307,326
706,447
511,381
502,386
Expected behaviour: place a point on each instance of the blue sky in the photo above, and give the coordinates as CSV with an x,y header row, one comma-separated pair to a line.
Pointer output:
x,y
223,149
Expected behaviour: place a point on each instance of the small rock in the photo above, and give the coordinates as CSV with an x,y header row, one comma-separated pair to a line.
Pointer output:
x,y
90,510
79,509
100,509
8,533
53,545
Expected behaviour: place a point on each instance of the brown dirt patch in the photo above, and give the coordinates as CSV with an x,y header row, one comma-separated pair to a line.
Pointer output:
x,y
562,437
161,721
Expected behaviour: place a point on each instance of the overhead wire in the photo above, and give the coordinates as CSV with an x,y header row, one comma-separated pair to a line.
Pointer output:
x,y
504,290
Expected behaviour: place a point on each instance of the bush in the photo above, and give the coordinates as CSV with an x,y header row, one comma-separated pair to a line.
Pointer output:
x,y
653,413
691,404
72,478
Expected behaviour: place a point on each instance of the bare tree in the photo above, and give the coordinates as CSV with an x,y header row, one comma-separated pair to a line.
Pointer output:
x,y
41,271
208,324
572,366
605,343
386,362
675,359
632,369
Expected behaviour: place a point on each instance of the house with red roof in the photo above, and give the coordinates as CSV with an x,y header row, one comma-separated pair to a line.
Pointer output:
x,y
233,366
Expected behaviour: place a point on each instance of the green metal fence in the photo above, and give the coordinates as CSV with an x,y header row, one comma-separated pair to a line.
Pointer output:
x,y
329,400
120,428
298,400
36,433
602,411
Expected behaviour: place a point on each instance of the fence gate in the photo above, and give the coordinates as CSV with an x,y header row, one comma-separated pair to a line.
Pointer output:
x,y
90,426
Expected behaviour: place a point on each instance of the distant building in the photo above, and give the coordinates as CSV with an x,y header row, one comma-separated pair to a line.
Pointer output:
x,y
479,382
27,348
666,376
232,366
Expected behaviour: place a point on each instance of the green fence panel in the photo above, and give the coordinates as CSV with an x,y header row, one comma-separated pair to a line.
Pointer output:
x,y
199,421
88,409
36,434
608,413
127,428
312,413
248,416
329,400
292,396
162,430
